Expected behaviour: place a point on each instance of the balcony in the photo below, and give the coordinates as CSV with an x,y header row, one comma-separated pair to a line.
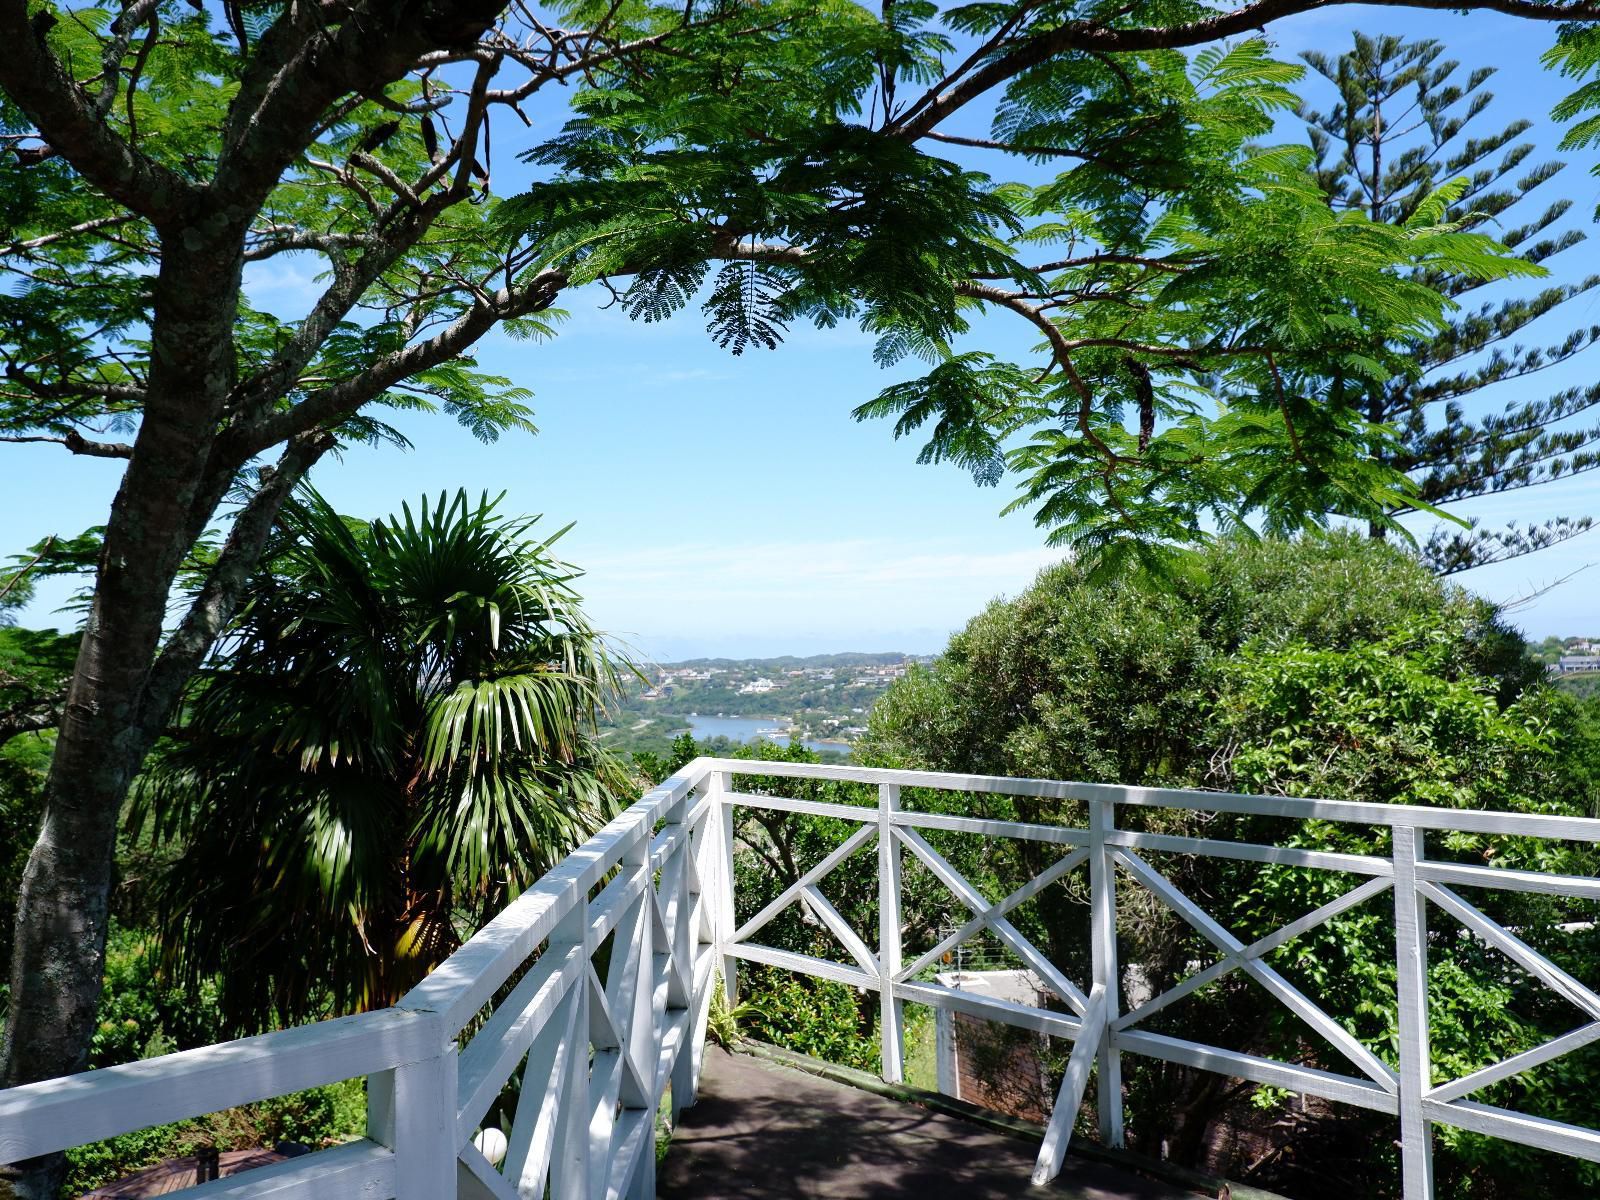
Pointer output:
x,y
600,980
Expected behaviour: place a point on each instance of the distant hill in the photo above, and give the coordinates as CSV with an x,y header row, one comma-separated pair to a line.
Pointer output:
x,y
790,662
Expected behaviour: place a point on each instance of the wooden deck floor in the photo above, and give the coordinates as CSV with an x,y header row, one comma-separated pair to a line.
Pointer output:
x,y
761,1130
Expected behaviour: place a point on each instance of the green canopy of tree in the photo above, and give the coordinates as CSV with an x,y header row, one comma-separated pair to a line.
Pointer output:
x,y
1407,118
1331,667
1208,322
396,738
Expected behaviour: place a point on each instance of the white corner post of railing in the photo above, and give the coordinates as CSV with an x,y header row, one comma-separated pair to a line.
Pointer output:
x,y
720,799
891,1022
1103,949
411,1109
1411,996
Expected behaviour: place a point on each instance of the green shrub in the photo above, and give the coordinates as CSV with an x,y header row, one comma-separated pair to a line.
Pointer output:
x,y
819,1017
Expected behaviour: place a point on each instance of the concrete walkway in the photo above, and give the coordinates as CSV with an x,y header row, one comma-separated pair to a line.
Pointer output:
x,y
761,1130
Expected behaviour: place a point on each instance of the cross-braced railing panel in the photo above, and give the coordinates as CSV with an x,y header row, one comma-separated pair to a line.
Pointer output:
x,y
596,1055
1089,1015
598,1045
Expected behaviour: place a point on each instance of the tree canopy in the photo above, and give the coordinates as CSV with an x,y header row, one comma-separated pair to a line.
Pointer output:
x,y
1405,117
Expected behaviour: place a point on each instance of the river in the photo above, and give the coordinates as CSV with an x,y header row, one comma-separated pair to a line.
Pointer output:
x,y
749,729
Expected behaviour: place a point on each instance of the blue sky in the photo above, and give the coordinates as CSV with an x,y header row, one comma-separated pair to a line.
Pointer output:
x,y
731,506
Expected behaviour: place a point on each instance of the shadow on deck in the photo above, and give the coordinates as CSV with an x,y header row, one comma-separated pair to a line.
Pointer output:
x,y
760,1129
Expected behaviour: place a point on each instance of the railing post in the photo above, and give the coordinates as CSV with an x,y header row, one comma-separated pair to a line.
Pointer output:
x,y
722,910
892,1020
1103,949
1411,961
412,1110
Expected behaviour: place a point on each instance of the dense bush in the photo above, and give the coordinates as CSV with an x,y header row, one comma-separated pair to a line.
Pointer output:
x,y
1334,667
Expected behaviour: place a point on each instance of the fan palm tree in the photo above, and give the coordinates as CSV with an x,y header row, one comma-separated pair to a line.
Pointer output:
x,y
396,738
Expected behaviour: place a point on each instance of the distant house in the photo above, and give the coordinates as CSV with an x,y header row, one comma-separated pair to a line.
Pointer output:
x,y
758,687
1571,663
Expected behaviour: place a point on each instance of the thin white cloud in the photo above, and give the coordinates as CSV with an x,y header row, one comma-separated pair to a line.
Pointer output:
x,y
819,589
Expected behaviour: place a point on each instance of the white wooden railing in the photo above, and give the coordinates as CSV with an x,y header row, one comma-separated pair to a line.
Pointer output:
x,y
1100,1031
601,1054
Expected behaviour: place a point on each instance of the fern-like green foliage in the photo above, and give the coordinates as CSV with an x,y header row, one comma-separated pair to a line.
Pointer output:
x,y
1210,326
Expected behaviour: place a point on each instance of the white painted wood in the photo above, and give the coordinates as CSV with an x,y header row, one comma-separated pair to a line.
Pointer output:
x,y
1106,973
806,964
1516,1064
791,893
947,1053
1359,864
1286,993
975,900
616,898
1312,1081
687,1068
359,1170
1579,829
810,808
891,1009
476,1178
422,1127
54,1114
1023,894
1514,948
1503,879
1411,995
532,1143
1264,945
1053,1150
491,1056
989,1008
569,1150
635,1135
1556,1136
1020,831
469,978
840,928
721,785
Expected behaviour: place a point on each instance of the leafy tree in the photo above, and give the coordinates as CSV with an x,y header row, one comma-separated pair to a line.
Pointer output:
x,y
395,739
1189,268
157,151
1406,120
1336,667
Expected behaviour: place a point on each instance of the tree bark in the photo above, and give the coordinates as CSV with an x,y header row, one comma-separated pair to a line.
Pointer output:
x,y
64,905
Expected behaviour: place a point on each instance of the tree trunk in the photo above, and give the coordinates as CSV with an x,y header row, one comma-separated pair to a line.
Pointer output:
x,y
162,505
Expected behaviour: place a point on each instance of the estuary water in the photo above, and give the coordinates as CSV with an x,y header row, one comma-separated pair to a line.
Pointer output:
x,y
750,729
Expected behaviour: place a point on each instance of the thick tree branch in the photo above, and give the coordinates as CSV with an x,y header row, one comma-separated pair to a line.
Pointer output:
x,y
77,443
67,120
211,610
1098,37
331,405
32,716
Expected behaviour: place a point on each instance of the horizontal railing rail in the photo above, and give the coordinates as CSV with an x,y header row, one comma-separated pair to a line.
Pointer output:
x,y
1093,1018
598,1055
